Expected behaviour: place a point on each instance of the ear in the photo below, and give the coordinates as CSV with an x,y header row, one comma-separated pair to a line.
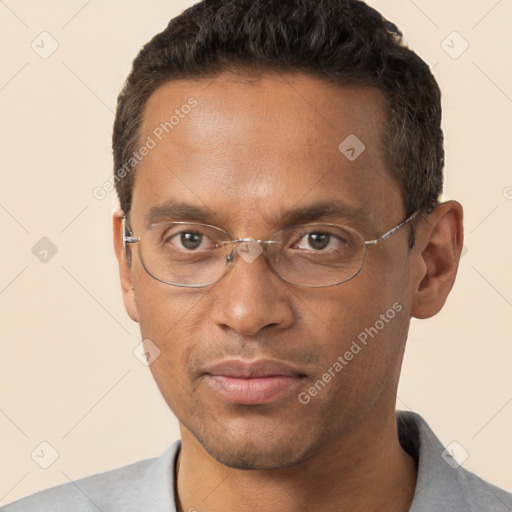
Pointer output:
x,y
124,267
436,257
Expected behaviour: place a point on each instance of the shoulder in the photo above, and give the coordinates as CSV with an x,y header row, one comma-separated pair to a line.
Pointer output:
x,y
443,484
144,485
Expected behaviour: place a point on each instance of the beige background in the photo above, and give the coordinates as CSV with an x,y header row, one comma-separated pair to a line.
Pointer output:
x,y
68,373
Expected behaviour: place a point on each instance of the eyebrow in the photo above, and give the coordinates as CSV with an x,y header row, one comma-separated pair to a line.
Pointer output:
x,y
173,210
324,210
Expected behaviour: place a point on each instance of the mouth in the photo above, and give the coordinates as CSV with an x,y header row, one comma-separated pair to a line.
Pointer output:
x,y
253,383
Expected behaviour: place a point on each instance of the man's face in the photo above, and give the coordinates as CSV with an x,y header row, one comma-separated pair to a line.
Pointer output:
x,y
248,152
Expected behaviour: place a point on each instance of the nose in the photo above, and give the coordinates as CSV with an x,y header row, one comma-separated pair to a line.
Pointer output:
x,y
251,296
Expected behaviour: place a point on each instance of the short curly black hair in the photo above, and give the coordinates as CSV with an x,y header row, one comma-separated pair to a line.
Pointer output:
x,y
344,41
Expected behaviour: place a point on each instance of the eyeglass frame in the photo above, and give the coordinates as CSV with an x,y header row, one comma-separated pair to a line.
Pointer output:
x,y
130,239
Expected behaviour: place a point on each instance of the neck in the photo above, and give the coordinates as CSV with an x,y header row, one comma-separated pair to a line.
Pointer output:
x,y
363,470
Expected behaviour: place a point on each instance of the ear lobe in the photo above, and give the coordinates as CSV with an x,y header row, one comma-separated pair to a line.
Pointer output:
x,y
124,268
437,253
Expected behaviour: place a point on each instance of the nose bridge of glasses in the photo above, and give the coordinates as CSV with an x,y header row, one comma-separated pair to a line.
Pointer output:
x,y
240,240
236,243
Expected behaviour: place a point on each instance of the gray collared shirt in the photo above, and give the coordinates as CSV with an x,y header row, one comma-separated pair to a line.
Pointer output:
x,y
148,485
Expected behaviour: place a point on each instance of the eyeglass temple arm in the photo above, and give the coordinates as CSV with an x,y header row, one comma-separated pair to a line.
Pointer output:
x,y
393,230
128,239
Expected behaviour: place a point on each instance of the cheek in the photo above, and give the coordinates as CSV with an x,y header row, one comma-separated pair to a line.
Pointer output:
x,y
161,307
365,321
168,317
364,353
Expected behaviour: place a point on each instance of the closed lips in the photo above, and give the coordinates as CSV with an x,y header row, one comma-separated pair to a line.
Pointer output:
x,y
258,369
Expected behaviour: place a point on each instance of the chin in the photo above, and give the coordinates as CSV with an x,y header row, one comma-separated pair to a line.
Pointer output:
x,y
253,456
254,447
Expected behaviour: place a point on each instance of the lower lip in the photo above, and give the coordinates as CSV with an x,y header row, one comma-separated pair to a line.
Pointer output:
x,y
253,391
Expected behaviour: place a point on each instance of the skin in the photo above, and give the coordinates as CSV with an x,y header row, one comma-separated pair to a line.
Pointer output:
x,y
251,150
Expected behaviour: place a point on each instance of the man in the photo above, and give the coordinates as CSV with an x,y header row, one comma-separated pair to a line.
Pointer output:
x,y
279,166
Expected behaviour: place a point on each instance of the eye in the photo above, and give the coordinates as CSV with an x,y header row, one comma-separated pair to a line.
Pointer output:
x,y
320,241
189,240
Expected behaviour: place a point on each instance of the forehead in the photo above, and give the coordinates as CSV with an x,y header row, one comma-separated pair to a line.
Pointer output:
x,y
260,145
296,108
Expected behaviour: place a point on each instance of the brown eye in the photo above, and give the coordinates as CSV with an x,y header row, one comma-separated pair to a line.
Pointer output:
x,y
188,240
319,241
